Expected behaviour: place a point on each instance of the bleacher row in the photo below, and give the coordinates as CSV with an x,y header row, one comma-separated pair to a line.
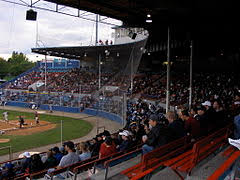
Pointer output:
x,y
181,155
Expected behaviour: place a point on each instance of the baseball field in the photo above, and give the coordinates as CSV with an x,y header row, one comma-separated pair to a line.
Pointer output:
x,y
32,135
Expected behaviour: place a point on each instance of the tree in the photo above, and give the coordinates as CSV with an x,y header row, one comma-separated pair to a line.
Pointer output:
x,y
19,63
3,67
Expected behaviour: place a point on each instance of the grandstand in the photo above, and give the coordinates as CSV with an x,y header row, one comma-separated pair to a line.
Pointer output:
x,y
189,141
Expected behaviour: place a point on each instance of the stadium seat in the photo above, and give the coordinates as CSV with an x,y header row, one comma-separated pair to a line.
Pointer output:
x,y
201,149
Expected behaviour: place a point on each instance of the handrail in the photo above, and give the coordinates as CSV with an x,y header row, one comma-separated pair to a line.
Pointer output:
x,y
107,163
225,166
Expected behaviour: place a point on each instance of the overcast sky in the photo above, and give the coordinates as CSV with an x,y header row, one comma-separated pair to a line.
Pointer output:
x,y
54,29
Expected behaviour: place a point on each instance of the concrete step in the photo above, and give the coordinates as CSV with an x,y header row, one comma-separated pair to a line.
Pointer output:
x,y
113,172
200,172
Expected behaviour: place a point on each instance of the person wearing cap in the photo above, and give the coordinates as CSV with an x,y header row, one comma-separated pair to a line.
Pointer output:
x,y
203,119
157,136
71,157
207,104
26,162
125,141
57,154
209,114
137,131
51,161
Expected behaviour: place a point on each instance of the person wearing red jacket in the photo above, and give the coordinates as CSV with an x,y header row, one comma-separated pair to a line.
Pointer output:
x,y
191,125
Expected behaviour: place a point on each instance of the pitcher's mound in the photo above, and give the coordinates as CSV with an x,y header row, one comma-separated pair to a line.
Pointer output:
x,y
4,140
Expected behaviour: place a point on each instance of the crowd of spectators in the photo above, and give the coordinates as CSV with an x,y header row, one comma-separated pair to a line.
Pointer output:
x,y
78,80
216,103
206,86
146,124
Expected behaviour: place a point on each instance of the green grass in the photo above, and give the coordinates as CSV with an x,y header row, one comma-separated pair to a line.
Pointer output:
x,y
72,129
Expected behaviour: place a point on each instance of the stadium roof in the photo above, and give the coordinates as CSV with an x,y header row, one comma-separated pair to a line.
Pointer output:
x,y
78,52
134,12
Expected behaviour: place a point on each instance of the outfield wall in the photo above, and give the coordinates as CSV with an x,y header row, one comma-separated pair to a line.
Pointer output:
x,y
92,112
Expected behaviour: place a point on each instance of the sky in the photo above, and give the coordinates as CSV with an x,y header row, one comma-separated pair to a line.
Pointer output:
x,y
51,29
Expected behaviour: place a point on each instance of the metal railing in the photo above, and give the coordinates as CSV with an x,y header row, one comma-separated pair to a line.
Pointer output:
x,y
9,151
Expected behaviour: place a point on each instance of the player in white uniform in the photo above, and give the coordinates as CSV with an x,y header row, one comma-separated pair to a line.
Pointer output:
x,y
5,116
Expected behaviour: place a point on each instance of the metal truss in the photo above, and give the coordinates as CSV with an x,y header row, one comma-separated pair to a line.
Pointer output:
x,y
52,7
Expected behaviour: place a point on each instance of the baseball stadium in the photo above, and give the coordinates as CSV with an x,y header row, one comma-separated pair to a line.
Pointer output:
x,y
158,100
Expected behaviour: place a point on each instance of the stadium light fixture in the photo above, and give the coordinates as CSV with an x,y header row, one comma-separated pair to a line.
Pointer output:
x,y
149,18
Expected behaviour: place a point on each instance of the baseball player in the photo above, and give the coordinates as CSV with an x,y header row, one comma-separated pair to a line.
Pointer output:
x,y
36,117
5,116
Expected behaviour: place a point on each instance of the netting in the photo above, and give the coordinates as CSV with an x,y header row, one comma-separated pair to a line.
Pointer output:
x,y
116,75
102,82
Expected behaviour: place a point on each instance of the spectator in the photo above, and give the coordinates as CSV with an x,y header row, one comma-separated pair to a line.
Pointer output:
x,y
237,125
51,161
219,114
192,126
193,113
107,148
94,147
116,138
26,162
137,131
57,154
125,141
71,157
36,163
85,153
176,126
106,42
105,134
209,113
203,120
157,136
99,138
8,172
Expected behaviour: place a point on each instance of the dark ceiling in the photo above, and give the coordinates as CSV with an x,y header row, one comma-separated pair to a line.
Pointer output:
x,y
188,18
134,12
212,24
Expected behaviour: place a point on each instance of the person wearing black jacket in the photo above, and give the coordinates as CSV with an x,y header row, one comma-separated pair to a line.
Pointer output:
x,y
158,135
175,126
